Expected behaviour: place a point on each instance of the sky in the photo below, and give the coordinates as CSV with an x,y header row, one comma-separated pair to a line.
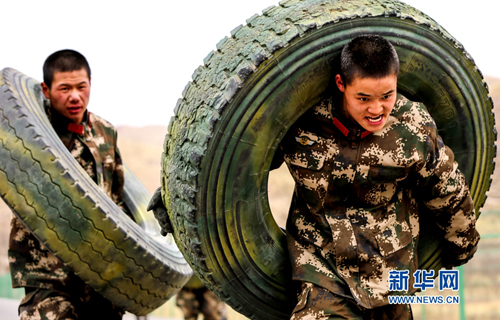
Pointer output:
x,y
143,53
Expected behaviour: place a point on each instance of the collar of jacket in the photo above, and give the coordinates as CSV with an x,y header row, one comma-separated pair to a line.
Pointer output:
x,y
347,127
63,124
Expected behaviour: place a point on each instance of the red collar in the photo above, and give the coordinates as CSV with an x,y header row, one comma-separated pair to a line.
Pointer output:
x,y
345,131
78,128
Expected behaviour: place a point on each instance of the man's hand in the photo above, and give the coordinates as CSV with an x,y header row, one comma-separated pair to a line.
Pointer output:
x,y
160,212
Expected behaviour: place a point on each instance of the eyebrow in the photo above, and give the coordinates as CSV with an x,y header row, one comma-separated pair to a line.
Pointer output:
x,y
367,95
78,84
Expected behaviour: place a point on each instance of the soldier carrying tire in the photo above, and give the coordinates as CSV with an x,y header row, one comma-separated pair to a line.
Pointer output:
x,y
364,159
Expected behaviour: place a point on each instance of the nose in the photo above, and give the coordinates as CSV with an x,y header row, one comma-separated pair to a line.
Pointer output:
x,y
74,96
376,107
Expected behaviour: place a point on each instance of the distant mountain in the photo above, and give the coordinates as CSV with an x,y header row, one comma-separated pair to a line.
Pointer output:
x,y
141,150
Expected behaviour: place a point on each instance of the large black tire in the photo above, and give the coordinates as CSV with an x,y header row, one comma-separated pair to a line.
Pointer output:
x,y
128,263
253,88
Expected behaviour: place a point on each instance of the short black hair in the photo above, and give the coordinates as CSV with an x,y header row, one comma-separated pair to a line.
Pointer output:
x,y
66,60
368,56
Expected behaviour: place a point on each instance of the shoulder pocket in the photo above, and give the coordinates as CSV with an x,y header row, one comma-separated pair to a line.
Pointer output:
x,y
306,150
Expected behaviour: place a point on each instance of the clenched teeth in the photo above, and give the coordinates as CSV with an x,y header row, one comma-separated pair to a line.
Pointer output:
x,y
374,119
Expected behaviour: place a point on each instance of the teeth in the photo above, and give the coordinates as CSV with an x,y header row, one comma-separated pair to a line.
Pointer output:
x,y
375,119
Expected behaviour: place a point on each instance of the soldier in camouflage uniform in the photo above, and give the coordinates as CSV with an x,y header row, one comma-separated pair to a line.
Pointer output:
x,y
195,298
366,162
53,291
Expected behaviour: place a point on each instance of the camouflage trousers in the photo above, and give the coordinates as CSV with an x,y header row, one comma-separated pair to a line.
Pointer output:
x,y
318,303
195,301
43,304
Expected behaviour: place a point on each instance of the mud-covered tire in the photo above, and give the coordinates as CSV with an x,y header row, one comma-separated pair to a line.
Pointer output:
x,y
129,263
246,96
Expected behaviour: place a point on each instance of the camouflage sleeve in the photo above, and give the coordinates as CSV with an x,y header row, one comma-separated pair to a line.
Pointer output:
x,y
444,190
119,181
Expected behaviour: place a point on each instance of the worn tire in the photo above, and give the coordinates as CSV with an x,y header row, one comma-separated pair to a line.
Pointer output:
x,y
128,263
246,96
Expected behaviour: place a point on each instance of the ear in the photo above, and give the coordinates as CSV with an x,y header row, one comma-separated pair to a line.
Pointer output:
x,y
45,90
339,83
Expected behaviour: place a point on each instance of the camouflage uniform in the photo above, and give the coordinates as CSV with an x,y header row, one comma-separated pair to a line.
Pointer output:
x,y
194,298
51,287
355,210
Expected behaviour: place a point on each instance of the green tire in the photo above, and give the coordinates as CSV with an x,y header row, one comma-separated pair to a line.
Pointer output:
x,y
245,97
128,263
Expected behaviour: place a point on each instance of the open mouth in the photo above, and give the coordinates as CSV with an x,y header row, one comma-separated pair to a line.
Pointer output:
x,y
375,119
74,109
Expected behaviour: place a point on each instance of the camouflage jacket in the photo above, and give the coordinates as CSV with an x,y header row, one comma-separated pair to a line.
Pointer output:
x,y
355,210
93,144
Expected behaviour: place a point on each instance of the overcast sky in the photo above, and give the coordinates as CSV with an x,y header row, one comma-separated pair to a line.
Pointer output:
x,y
143,53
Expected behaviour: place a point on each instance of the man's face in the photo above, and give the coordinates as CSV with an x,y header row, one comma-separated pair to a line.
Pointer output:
x,y
369,101
69,94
